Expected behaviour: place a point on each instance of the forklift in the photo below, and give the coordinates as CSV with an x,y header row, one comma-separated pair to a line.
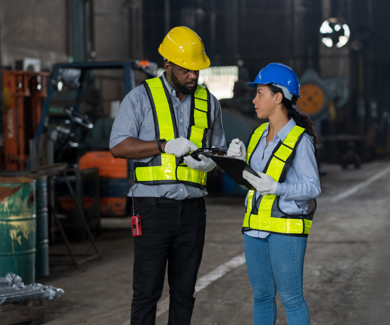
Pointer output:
x,y
81,136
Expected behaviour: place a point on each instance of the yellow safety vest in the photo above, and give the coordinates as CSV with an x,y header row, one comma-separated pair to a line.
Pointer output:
x,y
260,217
163,168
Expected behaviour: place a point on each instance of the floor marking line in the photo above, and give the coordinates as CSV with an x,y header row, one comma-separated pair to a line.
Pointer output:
x,y
205,280
219,272
357,187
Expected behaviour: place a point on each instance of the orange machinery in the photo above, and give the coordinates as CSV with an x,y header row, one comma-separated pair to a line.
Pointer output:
x,y
22,94
115,182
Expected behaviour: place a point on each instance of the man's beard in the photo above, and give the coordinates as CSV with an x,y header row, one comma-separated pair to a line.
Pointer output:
x,y
182,88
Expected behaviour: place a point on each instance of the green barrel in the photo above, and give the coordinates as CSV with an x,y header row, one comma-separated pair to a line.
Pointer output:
x,y
17,227
42,246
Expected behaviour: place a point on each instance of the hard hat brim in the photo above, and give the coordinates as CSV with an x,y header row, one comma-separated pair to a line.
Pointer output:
x,y
190,66
254,85
194,66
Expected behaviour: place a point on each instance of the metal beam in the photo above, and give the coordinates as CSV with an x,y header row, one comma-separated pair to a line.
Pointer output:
x,y
79,30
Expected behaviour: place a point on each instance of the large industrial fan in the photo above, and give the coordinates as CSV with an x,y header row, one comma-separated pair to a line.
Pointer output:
x,y
321,97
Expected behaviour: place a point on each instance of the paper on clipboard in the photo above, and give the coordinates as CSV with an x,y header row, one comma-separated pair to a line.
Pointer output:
x,y
234,168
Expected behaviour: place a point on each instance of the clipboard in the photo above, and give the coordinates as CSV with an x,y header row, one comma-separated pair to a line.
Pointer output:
x,y
234,168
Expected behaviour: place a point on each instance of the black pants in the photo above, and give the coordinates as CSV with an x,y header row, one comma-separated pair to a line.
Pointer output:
x,y
172,231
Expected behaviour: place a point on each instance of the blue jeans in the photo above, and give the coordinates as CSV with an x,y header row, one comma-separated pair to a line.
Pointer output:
x,y
275,263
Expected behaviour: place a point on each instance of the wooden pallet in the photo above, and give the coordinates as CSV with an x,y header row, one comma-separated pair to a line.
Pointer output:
x,y
26,313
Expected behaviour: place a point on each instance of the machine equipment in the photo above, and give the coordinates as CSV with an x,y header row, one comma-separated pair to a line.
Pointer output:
x,y
90,148
22,92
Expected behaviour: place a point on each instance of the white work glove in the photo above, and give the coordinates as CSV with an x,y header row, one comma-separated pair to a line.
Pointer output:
x,y
179,147
237,149
204,165
264,185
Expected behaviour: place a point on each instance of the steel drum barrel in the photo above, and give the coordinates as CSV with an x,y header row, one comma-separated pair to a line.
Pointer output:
x,y
17,227
42,242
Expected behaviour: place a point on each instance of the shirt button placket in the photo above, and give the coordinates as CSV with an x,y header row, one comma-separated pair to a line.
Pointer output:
x,y
180,121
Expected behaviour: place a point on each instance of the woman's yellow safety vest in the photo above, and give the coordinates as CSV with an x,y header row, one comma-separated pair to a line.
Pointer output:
x,y
164,168
259,217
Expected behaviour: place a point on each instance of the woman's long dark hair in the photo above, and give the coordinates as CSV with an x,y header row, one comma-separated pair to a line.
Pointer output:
x,y
300,120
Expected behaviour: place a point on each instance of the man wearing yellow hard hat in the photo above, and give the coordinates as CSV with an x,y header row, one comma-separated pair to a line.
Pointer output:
x,y
158,124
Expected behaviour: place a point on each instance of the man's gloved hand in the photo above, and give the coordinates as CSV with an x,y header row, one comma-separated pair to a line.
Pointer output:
x,y
205,164
264,185
237,149
179,147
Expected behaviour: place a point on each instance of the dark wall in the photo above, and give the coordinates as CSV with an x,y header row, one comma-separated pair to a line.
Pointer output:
x,y
256,32
35,29
287,31
368,20
378,47
111,30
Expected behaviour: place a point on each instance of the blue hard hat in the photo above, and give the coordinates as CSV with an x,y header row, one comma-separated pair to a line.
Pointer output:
x,y
277,74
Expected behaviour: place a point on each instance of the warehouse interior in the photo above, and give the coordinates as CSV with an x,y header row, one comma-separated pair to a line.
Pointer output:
x,y
67,65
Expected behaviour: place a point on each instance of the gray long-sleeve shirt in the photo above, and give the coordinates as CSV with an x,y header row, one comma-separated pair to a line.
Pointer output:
x,y
135,120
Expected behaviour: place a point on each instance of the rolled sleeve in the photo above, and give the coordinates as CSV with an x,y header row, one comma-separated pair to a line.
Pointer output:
x,y
218,134
305,167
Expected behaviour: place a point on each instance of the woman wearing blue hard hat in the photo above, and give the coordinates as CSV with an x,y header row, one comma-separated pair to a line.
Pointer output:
x,y
277,221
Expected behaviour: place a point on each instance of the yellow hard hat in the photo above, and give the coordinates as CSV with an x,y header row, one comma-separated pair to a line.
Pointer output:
x,y
185,48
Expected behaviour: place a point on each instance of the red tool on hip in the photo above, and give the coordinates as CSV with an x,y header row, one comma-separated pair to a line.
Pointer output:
x,y
136,226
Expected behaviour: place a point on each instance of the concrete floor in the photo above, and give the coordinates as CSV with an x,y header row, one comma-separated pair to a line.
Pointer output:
x,y
346,268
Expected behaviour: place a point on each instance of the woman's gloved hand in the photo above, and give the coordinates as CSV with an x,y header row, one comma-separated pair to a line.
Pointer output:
x,y
179,147
237,149
264,184
205,164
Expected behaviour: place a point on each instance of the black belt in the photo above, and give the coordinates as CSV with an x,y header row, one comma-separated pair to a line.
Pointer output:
x,y
162,201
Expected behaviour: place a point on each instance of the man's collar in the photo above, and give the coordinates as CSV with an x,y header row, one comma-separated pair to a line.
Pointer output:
x,y
166,83
282,134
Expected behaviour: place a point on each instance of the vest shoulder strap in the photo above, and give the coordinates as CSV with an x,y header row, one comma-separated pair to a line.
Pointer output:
x,y
254,140
283,155
200,116
163,114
